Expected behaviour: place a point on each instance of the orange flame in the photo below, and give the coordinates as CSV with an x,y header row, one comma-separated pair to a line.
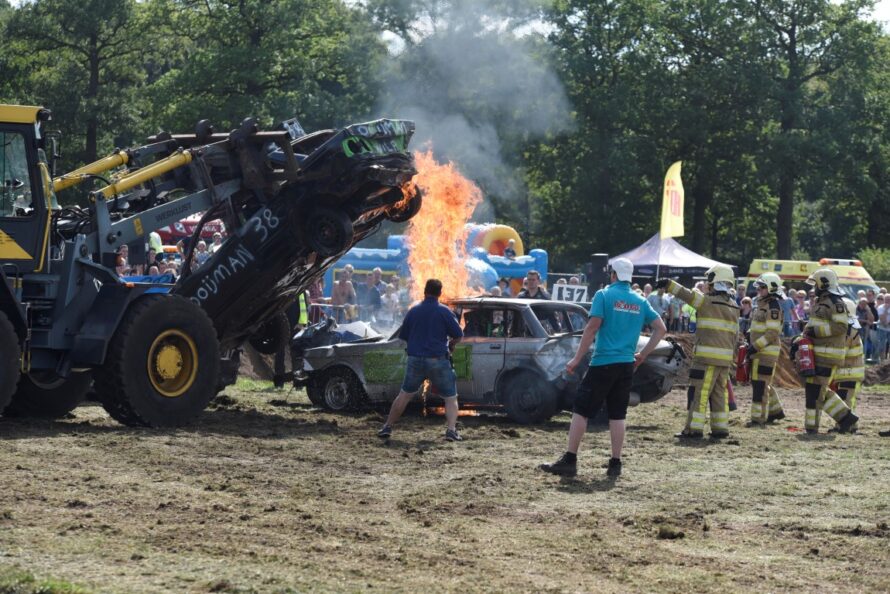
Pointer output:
x,y
437,235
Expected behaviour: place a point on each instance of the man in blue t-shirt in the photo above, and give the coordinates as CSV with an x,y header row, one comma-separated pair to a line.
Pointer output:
x,y
617,316
427,328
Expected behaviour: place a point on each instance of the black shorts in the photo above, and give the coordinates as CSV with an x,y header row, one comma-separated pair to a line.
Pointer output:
x,y
605,383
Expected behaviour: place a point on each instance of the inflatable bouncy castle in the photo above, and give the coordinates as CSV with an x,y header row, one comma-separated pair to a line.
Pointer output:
x,y
486,264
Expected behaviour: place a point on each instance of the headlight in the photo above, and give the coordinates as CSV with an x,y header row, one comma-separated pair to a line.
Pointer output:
x,y
179,227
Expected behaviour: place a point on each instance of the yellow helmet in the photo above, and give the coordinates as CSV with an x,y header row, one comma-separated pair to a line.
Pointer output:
x,y
851,313
771,281
825,279
720,277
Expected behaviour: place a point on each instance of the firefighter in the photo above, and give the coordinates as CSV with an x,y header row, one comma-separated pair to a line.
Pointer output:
x,y
764,348
715,341
827,328
851,374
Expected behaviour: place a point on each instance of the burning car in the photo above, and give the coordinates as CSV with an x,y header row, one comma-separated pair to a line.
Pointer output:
x,y
512,356
185,229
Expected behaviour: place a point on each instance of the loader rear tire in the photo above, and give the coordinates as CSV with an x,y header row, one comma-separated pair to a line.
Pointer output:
x,y
162,364
328,231
10,361
48,396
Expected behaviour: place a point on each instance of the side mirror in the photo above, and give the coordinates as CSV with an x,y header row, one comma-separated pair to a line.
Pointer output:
x,y
54,144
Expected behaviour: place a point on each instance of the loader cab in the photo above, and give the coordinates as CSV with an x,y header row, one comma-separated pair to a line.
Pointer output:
x,y
26,197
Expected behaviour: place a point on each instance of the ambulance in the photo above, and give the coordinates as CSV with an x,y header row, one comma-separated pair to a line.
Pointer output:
x,y
851,275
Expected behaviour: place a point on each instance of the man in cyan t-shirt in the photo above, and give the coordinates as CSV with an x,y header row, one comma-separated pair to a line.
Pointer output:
x,y
617,316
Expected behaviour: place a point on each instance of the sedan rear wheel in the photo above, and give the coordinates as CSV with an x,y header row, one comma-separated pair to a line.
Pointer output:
x,y
341,389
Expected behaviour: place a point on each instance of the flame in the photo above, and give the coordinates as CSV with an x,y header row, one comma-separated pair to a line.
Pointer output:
x,y
437,235
440,411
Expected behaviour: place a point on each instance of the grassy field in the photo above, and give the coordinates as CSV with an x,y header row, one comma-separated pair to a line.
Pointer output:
x,y
267,494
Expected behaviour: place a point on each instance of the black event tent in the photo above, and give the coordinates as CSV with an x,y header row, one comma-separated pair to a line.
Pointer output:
x,y
674,259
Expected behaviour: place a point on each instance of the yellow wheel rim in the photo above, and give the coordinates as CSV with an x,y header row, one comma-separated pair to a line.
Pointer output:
x,y
172,363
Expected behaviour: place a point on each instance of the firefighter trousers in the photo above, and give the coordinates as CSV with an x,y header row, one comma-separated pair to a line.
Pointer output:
x,y
708,387
819,397
849,392
761,383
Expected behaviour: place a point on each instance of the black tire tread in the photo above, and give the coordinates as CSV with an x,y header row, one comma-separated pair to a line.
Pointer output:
x,y
10,364
110,379
524,378
32,401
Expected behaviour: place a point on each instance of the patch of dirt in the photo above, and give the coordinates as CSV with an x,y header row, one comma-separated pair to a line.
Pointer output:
x,y
268,494
877,374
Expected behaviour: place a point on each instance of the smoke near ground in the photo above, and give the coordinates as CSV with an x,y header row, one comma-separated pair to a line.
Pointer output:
x,y
475,90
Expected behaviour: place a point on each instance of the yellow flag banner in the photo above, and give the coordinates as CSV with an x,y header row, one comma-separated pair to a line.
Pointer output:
x,y
672,203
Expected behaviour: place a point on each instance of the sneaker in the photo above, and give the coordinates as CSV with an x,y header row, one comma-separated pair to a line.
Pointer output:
x,y
385,432
614,467
562,467
452,435
772,418
684,434
847,423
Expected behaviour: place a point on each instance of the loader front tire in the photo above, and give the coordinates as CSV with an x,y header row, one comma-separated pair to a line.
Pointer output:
x,y
162,364
10,361
48,396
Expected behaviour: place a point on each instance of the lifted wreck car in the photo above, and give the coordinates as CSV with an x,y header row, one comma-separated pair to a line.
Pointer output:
x,y
512,356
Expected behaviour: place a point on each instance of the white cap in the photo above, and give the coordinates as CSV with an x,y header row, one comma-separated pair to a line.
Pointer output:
x,y
623,269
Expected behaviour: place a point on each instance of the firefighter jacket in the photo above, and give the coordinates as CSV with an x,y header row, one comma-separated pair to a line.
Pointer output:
x,y
828,328
766,329
717,325
853,368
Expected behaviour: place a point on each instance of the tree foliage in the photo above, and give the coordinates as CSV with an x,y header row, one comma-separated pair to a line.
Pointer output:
x,y
566,112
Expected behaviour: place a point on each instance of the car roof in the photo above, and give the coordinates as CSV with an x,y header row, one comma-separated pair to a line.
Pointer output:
x,y
514,301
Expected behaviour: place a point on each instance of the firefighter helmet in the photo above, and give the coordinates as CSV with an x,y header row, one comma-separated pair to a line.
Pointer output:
x,y
771,281
851,312
825,279
720,277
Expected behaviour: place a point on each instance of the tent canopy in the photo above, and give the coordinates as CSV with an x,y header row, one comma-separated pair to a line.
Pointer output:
x,y
674,259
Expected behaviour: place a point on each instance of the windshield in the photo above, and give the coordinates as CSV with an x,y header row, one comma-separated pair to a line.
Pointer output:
x,y
852,290
15,192
560,320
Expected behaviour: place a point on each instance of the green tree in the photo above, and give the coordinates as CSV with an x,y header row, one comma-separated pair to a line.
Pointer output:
x,y
799,44
276,59
81,59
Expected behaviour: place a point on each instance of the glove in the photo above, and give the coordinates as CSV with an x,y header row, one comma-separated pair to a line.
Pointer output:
x,y
792,352
662,283
752,350
811,332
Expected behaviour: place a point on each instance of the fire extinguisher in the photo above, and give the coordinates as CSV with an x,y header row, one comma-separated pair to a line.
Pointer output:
x,y
742,365
806,360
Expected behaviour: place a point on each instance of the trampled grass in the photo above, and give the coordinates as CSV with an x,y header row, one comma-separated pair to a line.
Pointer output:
x,y
268,494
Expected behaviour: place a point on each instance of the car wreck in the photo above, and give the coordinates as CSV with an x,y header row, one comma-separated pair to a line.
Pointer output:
x,y
512,357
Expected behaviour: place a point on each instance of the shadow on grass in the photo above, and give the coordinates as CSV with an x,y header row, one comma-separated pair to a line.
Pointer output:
x,y
580,486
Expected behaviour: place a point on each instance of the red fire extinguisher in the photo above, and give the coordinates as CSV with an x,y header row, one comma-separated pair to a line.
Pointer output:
x,y
742,365
806,360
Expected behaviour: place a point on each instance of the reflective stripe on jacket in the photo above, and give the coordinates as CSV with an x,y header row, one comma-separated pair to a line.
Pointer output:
x,y
717,325
766,329
828,327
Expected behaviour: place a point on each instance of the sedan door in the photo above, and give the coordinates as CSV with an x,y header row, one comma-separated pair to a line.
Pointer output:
x,y
484,338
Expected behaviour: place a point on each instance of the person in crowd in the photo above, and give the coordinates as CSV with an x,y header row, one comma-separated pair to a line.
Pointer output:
x,y
533,289
373,295
561,281
745,314
574,280
675,318
510,250
787,306
827,328
881,330
315,297
122,265
765,347
343,297
647,290
717,327
427,328
201,253
495,291
657,300
866,319
217,243
504,284
617,317
851,373
389,307
739,294
153,270
871,298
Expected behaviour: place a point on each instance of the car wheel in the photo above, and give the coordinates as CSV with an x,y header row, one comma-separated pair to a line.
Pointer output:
x,y
341,389
408,211
528,398
315,388
328,231
272,335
